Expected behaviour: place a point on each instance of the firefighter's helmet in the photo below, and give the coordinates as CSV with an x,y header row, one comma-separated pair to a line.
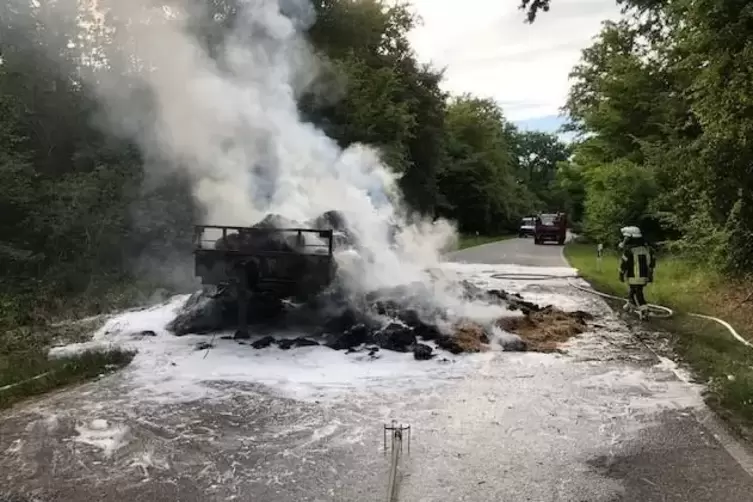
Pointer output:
x,y
631,232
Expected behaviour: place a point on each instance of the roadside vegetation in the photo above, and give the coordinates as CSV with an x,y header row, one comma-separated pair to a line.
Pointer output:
x,y
26,369
663,137
663,126
717,358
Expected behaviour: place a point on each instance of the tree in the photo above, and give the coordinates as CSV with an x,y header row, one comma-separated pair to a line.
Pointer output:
x,y
537,156
570,189
532,8
618,194
478,182
668,89
396,102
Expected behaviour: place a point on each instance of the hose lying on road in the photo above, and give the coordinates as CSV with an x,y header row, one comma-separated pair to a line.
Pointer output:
x,y
656,311
22,382
669,313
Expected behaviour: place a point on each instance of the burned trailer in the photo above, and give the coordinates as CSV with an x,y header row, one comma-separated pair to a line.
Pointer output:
x,y
248,263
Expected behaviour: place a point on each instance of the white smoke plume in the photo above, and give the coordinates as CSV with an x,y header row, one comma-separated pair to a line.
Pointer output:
x,y
232,122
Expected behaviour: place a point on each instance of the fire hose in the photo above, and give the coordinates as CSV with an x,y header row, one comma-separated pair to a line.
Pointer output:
x,y
655,311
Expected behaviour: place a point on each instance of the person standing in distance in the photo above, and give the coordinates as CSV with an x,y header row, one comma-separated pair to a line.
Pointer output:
x,y
636,266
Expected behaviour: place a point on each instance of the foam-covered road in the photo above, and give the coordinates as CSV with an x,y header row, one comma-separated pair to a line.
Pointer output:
x,y
606,421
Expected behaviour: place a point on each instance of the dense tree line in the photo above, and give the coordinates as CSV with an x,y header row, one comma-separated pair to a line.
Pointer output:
x,y
663,101
80,216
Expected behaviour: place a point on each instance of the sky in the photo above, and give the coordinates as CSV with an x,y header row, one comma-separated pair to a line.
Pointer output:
x,y
488,50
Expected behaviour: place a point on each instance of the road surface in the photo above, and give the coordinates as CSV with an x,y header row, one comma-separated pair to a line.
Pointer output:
x,y
513,251
606,421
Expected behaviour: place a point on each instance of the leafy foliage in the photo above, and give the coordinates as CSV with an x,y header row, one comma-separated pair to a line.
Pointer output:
x,y
618,194
662,101
538,156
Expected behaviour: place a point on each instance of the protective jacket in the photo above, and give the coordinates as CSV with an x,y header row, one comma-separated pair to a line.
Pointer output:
x,y
637,263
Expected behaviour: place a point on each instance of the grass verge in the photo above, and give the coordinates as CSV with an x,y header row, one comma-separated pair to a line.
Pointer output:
x,y
469,241
721,362
28,330
26,370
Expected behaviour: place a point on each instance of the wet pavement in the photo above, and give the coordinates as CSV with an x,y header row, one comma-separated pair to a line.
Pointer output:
x,y
606,421
513,251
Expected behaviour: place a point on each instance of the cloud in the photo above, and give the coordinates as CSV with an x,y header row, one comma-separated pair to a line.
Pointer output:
x,y
488,50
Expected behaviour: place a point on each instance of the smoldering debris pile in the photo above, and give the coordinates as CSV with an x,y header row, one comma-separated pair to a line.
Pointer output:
x,y
377,321
403,319
399,319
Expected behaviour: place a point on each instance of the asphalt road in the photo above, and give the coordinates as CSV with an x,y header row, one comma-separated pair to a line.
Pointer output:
x,y
513,251
684,455
606,421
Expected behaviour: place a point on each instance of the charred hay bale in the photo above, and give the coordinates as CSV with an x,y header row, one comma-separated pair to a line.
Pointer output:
x,y
342,322
582,317
546,329
273,220
449,344
330,220
471,291
514,300
336,221
253,242
422,352
498,294
206,311
397,337
371,352
396,309
352,337
263,343
202,313
411,318
305,342
389,308
466,337
470,337
284,343
288,343
427,332
229,242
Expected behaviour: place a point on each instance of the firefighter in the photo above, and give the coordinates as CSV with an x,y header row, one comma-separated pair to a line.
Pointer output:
x,y
637,266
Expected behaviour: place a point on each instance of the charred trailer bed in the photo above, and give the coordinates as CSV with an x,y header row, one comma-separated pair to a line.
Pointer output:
x,y
278,262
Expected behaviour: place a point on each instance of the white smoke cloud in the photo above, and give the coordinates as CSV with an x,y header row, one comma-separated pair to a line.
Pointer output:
x,y
232,122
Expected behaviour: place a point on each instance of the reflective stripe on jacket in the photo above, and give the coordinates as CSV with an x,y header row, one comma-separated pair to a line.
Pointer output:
x,y
636,264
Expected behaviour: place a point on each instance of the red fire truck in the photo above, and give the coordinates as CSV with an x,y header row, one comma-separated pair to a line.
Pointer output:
x,y
550,227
